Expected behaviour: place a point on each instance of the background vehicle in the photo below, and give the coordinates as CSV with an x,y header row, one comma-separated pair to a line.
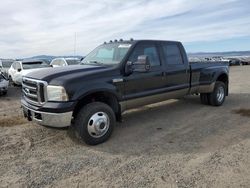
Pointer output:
x,y
239,60
20,68
4,83
5,66
61,62
115,77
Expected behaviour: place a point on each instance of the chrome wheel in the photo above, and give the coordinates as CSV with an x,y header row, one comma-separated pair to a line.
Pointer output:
x,y
98,124
220,94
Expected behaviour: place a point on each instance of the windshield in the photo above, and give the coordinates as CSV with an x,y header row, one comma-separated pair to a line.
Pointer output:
x,y
73,61
34,65
7,64
59,62
107,54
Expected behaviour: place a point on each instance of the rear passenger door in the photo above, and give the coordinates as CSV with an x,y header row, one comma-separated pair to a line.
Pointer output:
x,y
177,72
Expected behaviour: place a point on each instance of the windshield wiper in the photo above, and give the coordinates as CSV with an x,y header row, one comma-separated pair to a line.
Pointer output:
x,y
93,62
96,62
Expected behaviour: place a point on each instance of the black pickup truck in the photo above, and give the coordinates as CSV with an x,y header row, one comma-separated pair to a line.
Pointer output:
x,y
115,77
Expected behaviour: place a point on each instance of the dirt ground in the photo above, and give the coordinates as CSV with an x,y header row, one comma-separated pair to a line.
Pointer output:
x,y
178,143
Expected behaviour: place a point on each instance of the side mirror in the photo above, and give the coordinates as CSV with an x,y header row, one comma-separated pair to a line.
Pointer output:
x,y
142,64
19,70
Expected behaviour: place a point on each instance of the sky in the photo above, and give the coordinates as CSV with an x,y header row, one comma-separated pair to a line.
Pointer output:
x,y
38,27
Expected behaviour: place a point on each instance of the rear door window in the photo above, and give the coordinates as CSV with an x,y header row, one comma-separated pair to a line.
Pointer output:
x,y
172,54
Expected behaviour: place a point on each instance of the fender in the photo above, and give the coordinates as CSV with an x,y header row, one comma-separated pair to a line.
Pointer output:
x,y
224,70
101,87
209,75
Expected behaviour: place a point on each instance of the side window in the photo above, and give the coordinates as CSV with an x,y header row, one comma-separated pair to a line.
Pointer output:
x,y
18,66
172,54
149,50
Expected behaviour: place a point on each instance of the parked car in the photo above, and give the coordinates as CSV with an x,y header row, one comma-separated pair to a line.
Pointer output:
x,y
20,68
5,66
240,60
115,77
4,83
61,62
1,66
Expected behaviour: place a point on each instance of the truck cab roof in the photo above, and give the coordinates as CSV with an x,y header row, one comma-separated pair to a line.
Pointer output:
x,y
140,40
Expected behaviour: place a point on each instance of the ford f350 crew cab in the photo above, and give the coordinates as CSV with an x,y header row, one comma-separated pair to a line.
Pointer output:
x,y
115,77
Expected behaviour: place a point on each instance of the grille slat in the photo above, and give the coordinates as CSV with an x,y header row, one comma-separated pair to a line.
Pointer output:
x,y
33,91
34,96
29,87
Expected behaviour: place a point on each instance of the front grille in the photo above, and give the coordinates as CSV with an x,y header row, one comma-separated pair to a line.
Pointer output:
x,y
34,91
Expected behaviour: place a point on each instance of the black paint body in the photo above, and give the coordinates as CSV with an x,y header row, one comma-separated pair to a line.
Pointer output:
x,y
80,81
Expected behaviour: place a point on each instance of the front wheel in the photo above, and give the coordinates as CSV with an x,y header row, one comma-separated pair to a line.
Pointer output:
x,y
217,97
95,122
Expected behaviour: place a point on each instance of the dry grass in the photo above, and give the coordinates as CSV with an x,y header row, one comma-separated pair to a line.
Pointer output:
x,y
243,112
11,121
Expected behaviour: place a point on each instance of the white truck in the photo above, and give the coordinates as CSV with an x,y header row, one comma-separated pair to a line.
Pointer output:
x,y
20,68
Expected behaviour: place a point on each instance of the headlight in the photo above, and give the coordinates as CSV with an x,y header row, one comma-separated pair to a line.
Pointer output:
x,y
56,93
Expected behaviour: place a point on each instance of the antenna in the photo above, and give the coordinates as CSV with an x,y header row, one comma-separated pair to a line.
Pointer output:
x,y
75,46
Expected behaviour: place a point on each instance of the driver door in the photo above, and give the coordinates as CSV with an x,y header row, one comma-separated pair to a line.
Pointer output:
x,y
142,88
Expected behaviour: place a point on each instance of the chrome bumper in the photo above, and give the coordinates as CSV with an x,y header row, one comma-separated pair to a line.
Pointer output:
x,y
48,119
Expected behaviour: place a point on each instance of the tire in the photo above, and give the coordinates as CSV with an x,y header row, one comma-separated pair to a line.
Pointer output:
x,y
4,93
11,83
95,123
217,97
204,97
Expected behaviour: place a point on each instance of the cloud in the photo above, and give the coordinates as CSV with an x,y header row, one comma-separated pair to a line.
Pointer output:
x,y
48,27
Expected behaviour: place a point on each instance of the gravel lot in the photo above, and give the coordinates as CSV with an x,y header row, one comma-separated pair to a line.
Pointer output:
x,y
178,143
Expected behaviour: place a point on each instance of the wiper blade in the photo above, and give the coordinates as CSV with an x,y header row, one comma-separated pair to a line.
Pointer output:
x,y
92,62
95,62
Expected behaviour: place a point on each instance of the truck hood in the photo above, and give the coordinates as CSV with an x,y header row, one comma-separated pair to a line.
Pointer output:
x,y
64,73
25,72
